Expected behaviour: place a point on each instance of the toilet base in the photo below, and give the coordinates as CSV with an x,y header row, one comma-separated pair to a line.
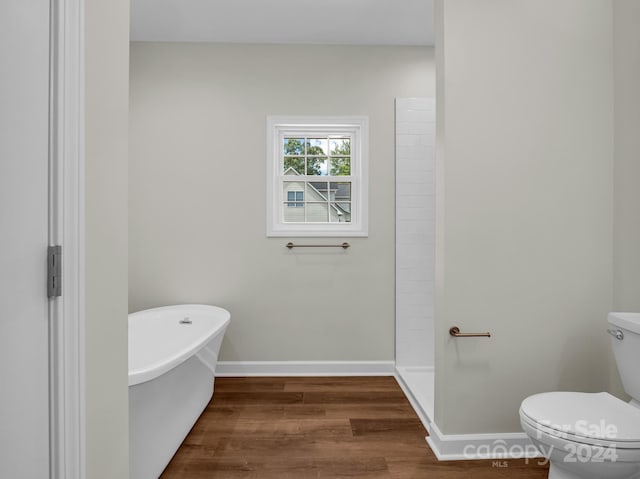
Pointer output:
x,y
556,472
593,472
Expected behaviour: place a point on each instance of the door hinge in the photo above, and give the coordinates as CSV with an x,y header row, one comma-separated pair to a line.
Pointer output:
x,y
54,271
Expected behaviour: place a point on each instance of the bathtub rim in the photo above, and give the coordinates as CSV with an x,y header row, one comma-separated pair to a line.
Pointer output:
x,y
157,369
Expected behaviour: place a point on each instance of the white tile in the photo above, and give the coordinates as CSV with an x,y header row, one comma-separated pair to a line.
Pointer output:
x,y
417,152
414,115
415,165
416,302
412,201
414,274
408,140
415,229
416,128
427,140
404,227
409,239
404,188
415,262
414,252
426,212
409,177
413,287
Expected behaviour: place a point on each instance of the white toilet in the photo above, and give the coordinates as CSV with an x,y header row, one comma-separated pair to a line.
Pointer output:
x,y
592,435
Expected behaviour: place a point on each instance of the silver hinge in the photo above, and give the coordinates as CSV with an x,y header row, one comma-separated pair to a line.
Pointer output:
x,y
54,271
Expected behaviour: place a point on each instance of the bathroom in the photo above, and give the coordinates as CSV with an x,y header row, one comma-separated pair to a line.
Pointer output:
x,y
536,192
197,126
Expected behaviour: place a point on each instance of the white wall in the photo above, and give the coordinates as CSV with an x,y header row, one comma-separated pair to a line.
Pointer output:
x,y
626,260
627,156
106,78
524,247
198,127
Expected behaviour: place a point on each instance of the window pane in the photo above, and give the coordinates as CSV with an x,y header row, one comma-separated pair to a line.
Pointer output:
x,y
340,212
317,212
295,198
293,214
317,166
293,191
340,146
340,190
293,146
317,191
293,165
340,166
317,146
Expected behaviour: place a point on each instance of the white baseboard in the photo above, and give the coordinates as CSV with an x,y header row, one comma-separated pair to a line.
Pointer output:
x,y
415,369
501,446
305,368
454,447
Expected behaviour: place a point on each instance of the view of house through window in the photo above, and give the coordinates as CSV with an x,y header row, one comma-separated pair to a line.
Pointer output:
x,y
308,160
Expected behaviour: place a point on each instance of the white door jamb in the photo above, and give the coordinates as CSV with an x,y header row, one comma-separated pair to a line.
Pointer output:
x,y
66,228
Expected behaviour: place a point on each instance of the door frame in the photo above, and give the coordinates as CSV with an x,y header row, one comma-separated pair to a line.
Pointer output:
x,y
66,228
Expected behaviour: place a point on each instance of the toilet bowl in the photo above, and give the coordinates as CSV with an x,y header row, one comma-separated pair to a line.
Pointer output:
x,y
592,435
584,435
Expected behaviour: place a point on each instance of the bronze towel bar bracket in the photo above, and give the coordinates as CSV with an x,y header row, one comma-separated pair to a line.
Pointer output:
x,y
455,332
344,245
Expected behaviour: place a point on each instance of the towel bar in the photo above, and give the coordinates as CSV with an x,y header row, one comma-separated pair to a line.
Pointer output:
x,y
455,332
344,245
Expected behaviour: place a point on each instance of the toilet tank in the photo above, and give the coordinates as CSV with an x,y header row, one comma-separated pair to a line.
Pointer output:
x,y
627,350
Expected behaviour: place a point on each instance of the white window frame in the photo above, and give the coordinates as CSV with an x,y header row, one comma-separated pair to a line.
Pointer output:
x,y
279,127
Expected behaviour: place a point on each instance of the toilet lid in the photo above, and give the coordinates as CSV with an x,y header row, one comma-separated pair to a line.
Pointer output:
x,y
585,417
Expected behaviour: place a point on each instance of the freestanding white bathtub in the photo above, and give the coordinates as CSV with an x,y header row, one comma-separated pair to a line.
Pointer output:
x,y
173,352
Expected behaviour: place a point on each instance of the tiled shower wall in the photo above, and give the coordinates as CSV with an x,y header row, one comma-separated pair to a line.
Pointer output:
x,y
415,231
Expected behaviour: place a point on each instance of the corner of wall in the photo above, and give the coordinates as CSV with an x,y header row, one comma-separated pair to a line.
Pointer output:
x,y
439,327
106,251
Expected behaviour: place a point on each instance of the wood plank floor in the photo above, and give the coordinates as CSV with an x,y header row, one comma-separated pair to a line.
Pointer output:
x,y
299,428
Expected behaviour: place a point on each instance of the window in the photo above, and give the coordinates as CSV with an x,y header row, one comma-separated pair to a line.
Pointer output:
x,y
317,176
295,199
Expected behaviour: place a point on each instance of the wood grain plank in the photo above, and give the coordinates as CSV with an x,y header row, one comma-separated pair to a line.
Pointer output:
x,y
250,411
367,411
356,397
256,398
265,384
248,468
387,428
342,384
283,427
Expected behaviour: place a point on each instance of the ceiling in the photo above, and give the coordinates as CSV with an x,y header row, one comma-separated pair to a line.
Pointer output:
x,y
351,22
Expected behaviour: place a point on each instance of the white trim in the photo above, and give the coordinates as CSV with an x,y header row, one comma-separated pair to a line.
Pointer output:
x,y
500,446
67,408
415,404
305,368
358,127
456,447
